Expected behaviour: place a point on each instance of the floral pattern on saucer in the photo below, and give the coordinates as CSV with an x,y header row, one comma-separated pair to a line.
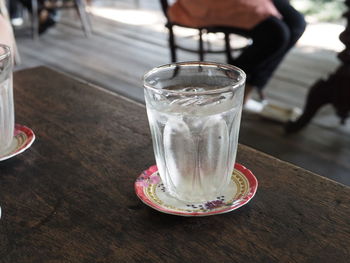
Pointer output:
x,y
151,191
22,140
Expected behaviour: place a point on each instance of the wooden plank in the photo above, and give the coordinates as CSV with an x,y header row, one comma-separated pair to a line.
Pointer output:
x,y
324,151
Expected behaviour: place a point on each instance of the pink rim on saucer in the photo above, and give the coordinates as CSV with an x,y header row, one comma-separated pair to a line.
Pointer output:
x,y
23,139
242,188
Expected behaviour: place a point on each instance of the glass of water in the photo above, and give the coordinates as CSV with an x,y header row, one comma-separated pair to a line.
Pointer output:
x,y
6,100
194,111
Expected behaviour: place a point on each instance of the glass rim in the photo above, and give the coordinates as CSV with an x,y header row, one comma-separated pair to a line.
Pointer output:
x,y
227,88
7,52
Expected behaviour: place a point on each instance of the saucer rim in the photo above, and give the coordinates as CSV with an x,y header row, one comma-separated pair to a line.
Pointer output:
x,y
28,142
253,186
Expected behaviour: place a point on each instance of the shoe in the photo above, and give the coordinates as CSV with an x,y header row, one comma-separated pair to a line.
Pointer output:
x,y
280,113
272,110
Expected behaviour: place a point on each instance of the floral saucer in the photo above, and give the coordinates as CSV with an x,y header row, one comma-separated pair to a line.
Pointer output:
x,y
150,189
22,140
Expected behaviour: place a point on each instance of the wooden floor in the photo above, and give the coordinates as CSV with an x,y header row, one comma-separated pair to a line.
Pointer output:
x,y
119,52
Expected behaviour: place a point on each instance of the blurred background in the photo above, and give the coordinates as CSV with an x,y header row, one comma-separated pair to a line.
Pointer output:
x,y
128,38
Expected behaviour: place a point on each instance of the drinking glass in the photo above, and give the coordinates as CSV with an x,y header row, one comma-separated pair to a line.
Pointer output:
x,y
6,100
194,111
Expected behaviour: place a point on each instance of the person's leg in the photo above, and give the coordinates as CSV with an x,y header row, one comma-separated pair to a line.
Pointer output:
x,y
294,20
296,25
270,39
13,8
27,4
46,17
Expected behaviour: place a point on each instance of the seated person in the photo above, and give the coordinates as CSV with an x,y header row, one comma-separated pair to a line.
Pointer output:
x,y
46,12
273,25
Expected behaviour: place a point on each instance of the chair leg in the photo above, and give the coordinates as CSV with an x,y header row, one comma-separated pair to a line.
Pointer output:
x,y
201,48
35,20
81,10
228,48
88,13
172,44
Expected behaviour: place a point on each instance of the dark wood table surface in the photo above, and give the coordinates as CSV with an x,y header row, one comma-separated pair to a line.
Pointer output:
x,y
70,197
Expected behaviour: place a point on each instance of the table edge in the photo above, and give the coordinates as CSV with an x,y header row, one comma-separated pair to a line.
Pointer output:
x,y
293,166
81,80
115,94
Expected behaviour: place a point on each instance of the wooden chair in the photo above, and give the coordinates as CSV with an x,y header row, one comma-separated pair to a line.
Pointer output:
x,y
79,5
201,31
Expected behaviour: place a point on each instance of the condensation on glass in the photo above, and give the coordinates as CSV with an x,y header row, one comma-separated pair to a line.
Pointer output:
x,y
6,99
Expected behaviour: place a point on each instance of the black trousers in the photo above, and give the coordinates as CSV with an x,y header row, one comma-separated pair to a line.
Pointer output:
x,y
26,3
272,39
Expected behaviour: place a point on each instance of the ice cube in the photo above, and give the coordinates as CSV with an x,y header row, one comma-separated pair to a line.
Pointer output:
x,y
214,151
179,153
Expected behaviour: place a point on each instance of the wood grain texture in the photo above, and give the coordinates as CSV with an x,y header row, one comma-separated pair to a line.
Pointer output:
x,y
70,197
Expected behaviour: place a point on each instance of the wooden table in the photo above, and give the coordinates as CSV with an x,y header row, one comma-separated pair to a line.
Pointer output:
x,y
70,197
